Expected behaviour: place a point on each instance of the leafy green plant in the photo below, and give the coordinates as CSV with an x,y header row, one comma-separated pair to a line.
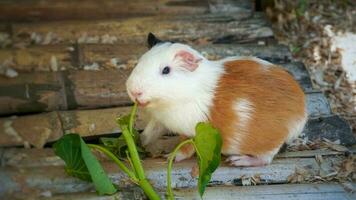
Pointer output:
x,y
81,163
207,143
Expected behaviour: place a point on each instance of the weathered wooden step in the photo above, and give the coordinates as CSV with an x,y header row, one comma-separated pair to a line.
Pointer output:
x,y
320,191
107,56
39,129
56,181
40,58
124,194
21,157
48,91
333,128
328,191
90,9
134,30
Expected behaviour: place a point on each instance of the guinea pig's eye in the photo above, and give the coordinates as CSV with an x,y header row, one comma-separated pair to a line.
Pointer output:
x,y
166,70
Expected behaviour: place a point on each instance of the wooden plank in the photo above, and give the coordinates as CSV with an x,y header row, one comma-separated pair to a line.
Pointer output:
x,y
96,89
231,6
48,91
313,153
135,30
37,129
34,130
274,53
40,58
28,93
57,181
82,92
21,157
41,91
45,10
328,191
317,104
95,122
331,127
300,73
87,123
107,56
128,193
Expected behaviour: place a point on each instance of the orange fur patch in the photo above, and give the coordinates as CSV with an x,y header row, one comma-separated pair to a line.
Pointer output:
x,y
276,99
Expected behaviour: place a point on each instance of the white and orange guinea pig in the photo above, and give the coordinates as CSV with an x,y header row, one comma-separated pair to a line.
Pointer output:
x,y
257,106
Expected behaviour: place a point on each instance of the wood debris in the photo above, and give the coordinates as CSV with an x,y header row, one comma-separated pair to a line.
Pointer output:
x,y
6,68
5,40
92,67
303,143
342,170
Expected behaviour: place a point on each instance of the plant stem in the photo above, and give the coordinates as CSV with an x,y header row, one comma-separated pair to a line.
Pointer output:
x,y
135,158
145,185
130,162
169,169
132,117
148,189
121,165
196,150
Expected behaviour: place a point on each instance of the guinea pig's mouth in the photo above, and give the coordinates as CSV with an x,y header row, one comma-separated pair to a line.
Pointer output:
x,y
142,103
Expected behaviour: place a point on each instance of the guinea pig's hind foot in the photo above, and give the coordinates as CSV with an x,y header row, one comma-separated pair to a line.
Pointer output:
x,y
246,161
183,153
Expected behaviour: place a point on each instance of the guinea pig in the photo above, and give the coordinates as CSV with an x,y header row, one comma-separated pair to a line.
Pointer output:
x,y
256,105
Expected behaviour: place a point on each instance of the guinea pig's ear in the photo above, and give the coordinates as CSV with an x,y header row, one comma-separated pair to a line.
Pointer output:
x,y
152,40
190,62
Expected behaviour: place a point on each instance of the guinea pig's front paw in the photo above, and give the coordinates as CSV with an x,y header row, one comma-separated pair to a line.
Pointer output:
x,y
145,140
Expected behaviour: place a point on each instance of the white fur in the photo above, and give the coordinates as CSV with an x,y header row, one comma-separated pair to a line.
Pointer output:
x,y
153,131
268,157
244,110
180,99
296,127
263,63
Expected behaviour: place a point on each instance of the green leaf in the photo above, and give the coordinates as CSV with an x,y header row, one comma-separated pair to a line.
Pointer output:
x,y
208,145
118,147
81,163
